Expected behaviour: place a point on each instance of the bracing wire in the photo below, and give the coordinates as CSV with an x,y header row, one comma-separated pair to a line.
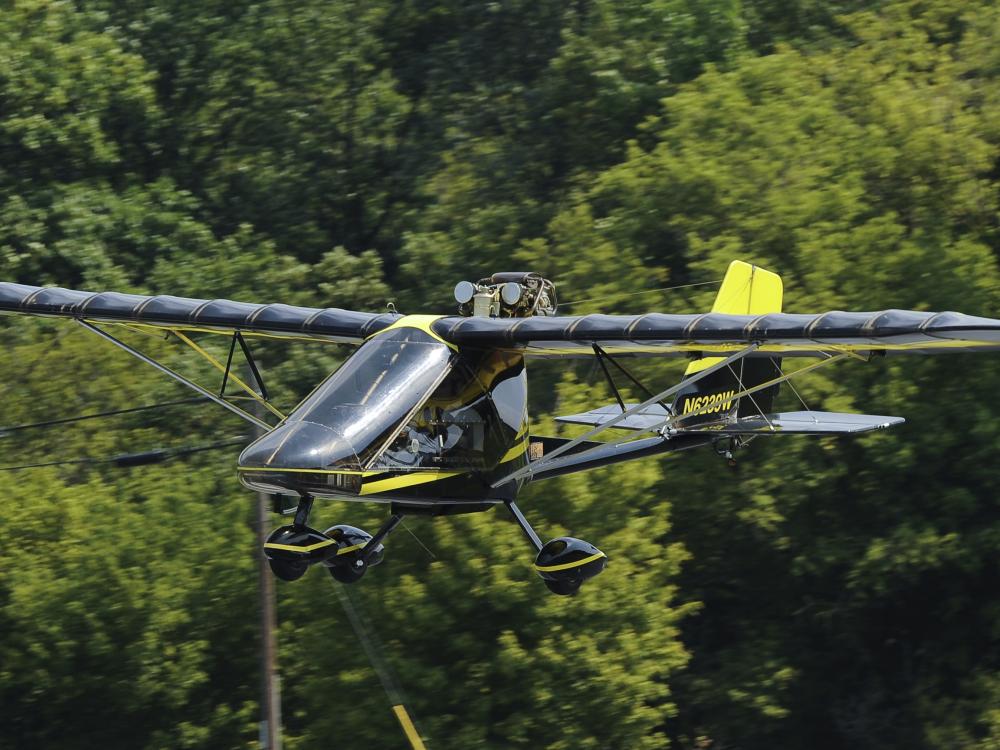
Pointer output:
x,y
156,455
372,647
790,385
753,401
417,539
99,415
636,294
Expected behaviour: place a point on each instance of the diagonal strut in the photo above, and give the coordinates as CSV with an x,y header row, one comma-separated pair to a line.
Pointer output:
x,y
530,468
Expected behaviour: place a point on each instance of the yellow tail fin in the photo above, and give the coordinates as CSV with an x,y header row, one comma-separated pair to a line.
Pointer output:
x,y
746,290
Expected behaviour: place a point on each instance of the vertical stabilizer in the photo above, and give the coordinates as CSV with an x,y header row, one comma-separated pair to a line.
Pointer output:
x,y
746,290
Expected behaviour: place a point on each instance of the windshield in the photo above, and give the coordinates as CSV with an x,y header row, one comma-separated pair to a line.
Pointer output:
x,y
347,420
460,425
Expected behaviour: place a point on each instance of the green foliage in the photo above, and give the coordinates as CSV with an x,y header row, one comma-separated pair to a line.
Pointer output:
x,y
831,593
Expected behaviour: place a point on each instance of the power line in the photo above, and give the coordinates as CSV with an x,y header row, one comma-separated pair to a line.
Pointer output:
x,y
98,415
615,296
125,460
373,649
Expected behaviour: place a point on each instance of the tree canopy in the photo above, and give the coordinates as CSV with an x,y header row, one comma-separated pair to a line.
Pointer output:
x,y
830,593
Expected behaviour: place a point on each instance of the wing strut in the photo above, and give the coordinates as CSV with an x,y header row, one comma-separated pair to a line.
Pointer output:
x,y
176,376
657,398
611,381
601,356
260,398
670,421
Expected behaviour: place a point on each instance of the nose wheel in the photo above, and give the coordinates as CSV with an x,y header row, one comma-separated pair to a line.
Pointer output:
x,y
288,570
349,573
346,551
351,561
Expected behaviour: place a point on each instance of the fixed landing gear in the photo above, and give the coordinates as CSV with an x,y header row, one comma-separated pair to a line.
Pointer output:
x,y
356,551
563,563
346,551
727,449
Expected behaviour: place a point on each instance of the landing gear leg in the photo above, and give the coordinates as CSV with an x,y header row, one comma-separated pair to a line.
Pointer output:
x,y
563,563
358,551
302,512
525,526
279,549
394,520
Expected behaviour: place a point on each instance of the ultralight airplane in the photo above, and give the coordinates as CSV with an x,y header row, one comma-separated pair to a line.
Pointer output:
x,y
430,413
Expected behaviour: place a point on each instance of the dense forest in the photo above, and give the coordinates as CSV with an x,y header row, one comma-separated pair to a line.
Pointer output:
x,y
830,593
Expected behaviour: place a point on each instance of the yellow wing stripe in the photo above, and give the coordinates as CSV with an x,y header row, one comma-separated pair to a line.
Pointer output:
x,y
141,327
803,348
567,566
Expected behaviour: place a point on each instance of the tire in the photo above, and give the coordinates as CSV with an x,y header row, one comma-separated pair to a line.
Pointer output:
x,y
348,573
288,570
564,588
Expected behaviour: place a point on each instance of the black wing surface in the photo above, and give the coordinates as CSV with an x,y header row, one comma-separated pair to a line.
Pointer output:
x,y
777,334
652,334
183,314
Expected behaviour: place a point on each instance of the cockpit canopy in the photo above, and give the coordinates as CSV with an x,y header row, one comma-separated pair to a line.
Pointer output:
x,y
404,401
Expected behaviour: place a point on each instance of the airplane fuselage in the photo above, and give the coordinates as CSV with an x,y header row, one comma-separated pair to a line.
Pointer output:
x,y
408,419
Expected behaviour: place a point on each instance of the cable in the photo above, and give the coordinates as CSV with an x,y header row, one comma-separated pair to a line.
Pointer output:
x,y
636,294
179,452
373,650
98,415
49,463
124,460
417,539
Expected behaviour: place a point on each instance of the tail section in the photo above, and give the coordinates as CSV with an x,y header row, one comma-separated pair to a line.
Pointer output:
x,y
746,290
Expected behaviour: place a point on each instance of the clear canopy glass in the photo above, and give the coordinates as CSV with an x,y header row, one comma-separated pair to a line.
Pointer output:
x,y
351,417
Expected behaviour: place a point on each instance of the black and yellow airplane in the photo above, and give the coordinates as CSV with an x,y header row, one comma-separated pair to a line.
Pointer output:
x,y
430,414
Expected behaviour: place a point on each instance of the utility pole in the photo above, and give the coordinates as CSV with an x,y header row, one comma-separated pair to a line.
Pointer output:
x,y
270,681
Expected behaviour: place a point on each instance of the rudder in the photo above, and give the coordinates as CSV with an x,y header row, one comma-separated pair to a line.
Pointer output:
x,y
746,290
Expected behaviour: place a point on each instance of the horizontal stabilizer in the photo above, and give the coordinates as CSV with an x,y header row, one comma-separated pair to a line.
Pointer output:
x,y
788,422
800,423
649,417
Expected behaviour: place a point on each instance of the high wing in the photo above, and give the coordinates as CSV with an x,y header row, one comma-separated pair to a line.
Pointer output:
x,y
183,314
747,312
778,334
652,334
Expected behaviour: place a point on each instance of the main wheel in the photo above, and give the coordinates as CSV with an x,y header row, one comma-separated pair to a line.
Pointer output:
x,y
288,570
564,588
565,563
348,573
